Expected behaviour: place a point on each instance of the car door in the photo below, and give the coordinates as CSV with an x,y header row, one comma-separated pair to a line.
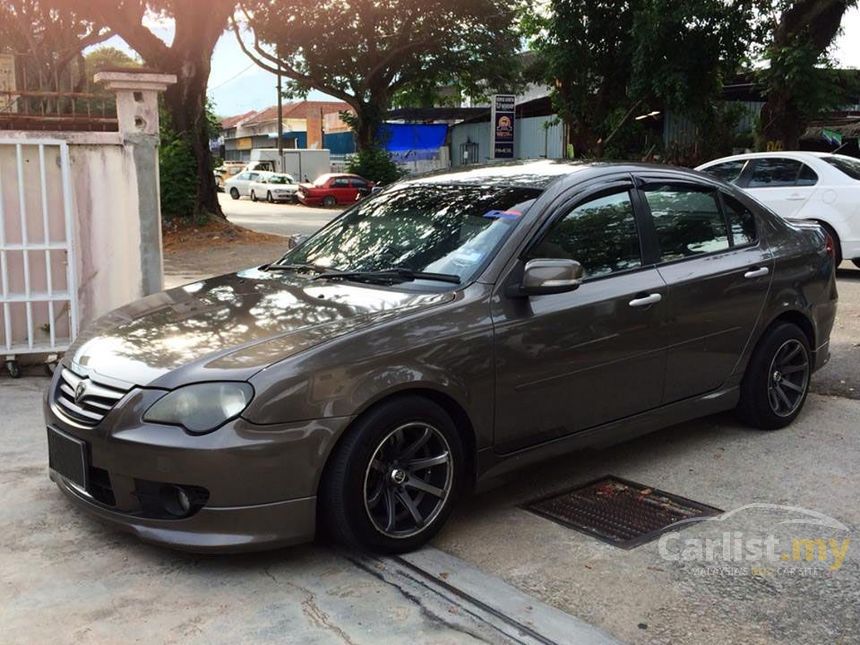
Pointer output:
x,y
718,271
783,184
342,191
571,361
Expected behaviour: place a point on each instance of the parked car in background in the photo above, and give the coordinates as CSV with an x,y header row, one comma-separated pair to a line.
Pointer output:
x,y
274,187
334,188
240,185
816,186
434,337
225,171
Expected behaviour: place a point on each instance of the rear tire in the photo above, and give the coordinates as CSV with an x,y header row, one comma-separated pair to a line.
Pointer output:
x,y
253,196
856,262
837,245
329,201
234,193
392,480
269,197
776,382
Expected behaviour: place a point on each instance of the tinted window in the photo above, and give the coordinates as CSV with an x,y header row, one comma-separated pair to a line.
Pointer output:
x,y
600,234
774,172
807,176
340,183
728,171
358,183
741,222
688,221
850,167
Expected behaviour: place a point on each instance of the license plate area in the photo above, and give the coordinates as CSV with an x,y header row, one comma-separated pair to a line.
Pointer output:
x,y
68,457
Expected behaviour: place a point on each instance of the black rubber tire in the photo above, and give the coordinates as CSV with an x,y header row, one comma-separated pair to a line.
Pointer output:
x,y
253,196
837,244
856,262
753,407
341,507
269,197
234,193
329,201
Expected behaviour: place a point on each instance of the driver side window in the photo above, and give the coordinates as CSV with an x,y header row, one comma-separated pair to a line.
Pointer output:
x,y
600,234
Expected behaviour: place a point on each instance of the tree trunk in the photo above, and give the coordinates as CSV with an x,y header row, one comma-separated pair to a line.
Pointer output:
x,y
808,23
185,103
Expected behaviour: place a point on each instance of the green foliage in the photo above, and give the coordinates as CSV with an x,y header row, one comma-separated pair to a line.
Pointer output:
x,y
375,164
368,53
178,167
108,57
609,61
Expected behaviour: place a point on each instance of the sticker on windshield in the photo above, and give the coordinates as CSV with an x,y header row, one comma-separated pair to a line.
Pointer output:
x,y
509,214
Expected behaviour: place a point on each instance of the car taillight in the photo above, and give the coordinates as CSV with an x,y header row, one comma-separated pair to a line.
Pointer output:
x,y
829,244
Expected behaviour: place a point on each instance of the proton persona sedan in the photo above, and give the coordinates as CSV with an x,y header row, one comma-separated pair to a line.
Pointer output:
x,y
434,337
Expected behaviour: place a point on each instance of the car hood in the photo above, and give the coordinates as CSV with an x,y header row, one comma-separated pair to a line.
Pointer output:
x,y
231,326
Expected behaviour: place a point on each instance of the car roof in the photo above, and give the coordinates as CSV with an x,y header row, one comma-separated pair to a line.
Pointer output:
x,y
799,155
536,173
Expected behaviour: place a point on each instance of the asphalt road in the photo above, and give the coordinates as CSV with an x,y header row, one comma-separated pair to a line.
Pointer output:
x,y
277,219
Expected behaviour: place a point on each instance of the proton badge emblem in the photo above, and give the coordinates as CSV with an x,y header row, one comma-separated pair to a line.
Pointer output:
x,y
80,391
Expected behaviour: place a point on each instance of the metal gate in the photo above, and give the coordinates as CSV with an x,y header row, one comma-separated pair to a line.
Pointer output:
x,y
38,285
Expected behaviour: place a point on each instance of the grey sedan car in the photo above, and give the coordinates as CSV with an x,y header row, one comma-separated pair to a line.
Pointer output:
x,y
433,338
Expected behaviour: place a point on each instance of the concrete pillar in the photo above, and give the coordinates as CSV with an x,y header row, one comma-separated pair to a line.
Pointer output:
x,y
137,114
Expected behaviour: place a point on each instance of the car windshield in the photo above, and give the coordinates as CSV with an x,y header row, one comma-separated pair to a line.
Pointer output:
x,y
426,228
850,167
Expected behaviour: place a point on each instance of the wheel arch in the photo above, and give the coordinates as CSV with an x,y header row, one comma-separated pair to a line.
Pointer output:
x,y
795,317
448,403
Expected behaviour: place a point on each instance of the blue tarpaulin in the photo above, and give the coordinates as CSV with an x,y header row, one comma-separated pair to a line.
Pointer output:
x,y
414,137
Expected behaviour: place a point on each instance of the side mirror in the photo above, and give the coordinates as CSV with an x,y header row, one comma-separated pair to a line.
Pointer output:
x,y
546,276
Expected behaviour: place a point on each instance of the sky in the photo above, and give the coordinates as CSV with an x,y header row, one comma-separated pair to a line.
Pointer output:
x,y
237,85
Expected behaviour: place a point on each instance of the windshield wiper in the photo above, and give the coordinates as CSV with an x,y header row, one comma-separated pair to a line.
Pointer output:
x,y
389,275
301,266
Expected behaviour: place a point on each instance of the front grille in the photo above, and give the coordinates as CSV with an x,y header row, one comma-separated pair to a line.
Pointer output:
x,y
84,400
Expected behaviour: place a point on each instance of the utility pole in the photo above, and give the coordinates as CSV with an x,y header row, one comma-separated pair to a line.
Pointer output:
x,y
280,123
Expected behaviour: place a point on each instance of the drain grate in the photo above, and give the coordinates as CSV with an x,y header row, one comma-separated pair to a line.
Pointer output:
x,y
622,513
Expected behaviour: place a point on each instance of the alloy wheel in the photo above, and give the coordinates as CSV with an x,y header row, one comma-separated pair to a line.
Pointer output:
x,y
408,480
788,378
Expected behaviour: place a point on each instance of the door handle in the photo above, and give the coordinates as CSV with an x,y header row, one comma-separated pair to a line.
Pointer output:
x,y
795,198
756,273
650,299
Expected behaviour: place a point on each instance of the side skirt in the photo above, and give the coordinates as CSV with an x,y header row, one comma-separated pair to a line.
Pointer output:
x,y
493,466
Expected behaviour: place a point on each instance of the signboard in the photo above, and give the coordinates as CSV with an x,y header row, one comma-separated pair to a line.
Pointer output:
x,y
502,123
8,102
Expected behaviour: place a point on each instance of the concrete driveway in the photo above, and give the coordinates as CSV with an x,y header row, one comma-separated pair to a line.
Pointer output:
x,y
277,219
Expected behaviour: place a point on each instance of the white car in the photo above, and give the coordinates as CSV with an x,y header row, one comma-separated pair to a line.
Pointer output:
x,y
275,187
802,185
240,185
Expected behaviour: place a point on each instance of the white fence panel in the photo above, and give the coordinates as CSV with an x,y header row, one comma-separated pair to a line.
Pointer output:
x,y
38,284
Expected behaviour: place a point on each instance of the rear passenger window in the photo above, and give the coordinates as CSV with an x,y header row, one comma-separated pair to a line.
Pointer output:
x,y
770,173
600,234
688,221
741,222
728,171
807,176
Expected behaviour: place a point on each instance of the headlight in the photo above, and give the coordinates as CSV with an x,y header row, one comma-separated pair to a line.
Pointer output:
x,y
202,407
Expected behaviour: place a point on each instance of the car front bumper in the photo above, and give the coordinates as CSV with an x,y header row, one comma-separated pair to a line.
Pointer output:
x,y
260,482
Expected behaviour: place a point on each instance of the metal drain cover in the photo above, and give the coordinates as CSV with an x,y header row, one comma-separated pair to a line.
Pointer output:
x,y
620,512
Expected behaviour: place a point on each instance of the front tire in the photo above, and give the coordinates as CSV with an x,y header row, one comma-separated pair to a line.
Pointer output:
x,y
234,193
776,382
856,262
391,482
269,197
253,196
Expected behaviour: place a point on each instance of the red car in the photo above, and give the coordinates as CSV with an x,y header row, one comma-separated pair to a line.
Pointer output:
x,y
329,190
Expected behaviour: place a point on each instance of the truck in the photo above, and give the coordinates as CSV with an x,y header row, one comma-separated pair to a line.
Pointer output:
x,y
303,164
